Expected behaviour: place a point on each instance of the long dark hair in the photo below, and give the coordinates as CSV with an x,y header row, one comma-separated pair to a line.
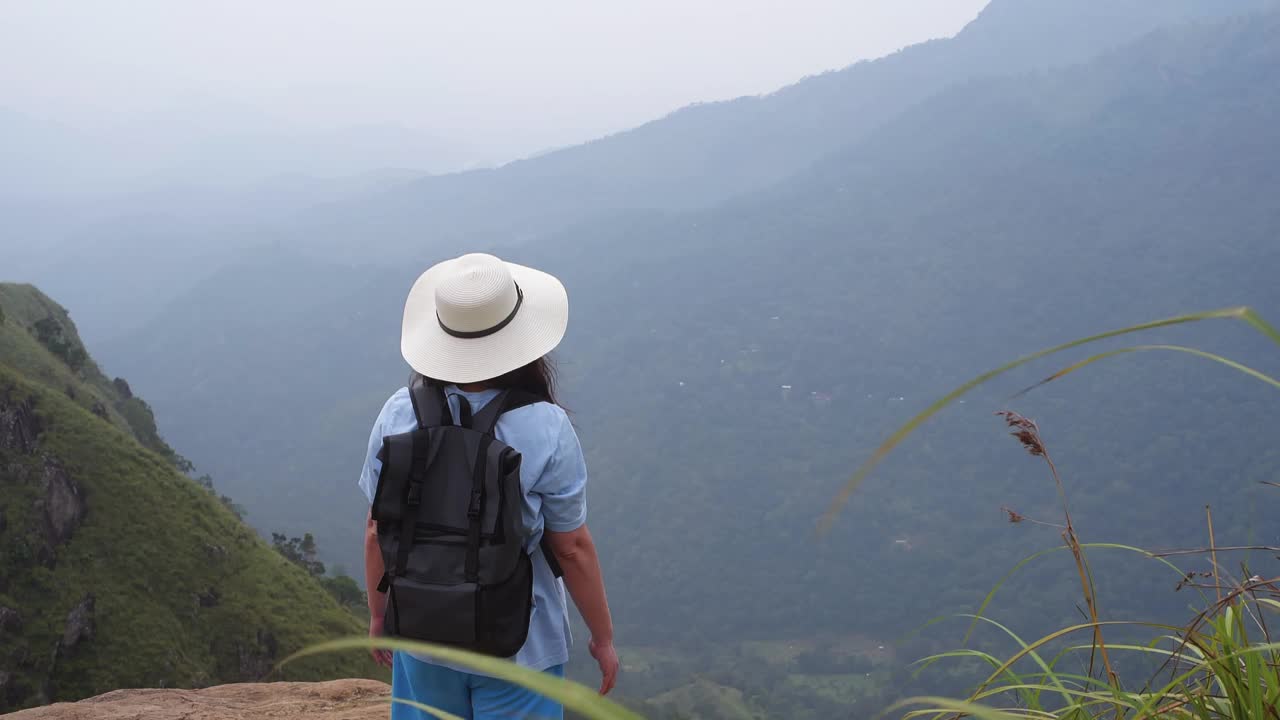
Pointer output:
x,y
538,378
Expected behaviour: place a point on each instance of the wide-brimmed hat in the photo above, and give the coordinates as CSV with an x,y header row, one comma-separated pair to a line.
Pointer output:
x,y
476,317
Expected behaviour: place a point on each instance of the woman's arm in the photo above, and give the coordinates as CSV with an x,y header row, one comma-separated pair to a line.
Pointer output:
x,y
373,570
584,579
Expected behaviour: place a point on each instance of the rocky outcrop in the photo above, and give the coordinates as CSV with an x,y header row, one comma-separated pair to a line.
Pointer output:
x,y
336,700
80,625
63,506
10,619
257,659
19,426
79,629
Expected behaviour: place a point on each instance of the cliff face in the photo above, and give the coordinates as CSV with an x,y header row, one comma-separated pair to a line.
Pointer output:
x,y
336,700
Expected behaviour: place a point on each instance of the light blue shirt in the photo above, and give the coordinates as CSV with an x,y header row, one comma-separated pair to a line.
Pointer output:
x,y
553,475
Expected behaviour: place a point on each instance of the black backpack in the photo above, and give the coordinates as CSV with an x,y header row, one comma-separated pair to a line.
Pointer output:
x,y
448,512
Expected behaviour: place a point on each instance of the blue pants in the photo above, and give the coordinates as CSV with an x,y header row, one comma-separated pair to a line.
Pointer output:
x,y
475,697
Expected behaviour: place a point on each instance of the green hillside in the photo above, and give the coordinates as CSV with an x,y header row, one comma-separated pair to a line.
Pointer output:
x,y
706,699
40,341
118,570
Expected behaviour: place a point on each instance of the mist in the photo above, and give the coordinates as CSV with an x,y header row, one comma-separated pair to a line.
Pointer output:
x,y
786,230
148,93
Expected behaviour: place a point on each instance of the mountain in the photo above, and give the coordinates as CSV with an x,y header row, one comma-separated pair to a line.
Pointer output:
x,y
729,365
707,153
696,157
699,156
119,571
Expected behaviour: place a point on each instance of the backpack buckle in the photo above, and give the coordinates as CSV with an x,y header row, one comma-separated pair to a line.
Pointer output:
x,y
415,494
473,510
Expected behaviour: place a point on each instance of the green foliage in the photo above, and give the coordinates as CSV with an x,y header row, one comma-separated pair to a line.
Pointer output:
x,y
206,481
175,590
51,352
344,589
51,333
302,551
1224,665
299,551
703,698
187,594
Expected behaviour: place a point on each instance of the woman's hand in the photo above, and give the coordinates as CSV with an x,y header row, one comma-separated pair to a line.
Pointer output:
x,y
607,658
380,656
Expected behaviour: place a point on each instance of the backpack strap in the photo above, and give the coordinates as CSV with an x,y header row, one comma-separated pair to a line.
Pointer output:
x,y
487,419
431,408
506,401
464,411
549,554
429,403
475,510
422,448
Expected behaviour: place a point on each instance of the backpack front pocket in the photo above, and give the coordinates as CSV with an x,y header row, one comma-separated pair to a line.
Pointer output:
x,y
444,614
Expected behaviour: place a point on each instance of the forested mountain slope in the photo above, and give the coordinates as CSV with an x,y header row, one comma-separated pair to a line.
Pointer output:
x,y
117,570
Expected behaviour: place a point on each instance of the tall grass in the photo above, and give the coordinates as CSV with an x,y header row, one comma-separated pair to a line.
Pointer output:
x,y
1224,665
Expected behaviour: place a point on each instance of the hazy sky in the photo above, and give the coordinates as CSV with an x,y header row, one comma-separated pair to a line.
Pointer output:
x,y
515,74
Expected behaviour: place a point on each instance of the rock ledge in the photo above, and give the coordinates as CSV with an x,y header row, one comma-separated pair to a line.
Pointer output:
x,y
335,700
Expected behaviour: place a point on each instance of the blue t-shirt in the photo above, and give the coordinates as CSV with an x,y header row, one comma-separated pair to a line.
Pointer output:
x,y
553,475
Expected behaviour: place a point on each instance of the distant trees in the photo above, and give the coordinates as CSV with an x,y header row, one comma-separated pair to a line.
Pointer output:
x,y
344,589
52,335
299,551
206,481
824,661
303,553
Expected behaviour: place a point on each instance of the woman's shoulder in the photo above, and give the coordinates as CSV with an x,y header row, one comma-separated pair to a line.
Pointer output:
x,y
398,399
540,412
544,420
397,411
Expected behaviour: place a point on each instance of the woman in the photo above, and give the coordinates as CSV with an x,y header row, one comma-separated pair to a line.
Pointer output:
x,y
476,326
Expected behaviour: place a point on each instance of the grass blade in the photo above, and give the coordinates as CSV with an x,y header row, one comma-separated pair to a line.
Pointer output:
x,y
1262,326
828,517
1147,348
939,706
986,601
573,696
433,712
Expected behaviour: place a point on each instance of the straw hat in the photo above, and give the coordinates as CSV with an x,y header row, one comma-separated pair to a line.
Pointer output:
x,y
476,317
